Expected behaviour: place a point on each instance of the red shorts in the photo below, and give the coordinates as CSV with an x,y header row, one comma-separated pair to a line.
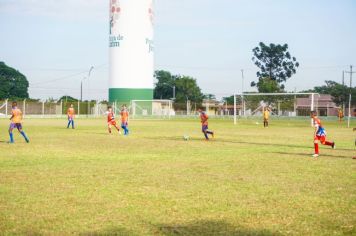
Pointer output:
x,y
322,139
112,122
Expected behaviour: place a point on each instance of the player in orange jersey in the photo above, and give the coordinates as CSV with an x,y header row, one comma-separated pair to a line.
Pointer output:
x,y
16,119
265,117
319,134
111,120
204,124
340,115
124,119
70,114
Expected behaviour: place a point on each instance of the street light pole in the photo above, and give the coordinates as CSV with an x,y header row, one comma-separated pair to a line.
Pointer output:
x,y
349,117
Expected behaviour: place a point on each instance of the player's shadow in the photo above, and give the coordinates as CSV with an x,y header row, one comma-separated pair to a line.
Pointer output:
x,y
119,231
210,228
197,228
309,154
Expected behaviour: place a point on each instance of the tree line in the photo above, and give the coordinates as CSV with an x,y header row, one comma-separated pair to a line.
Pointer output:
x,y
275,66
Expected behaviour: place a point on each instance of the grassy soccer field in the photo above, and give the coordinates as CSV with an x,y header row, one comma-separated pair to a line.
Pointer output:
x,y
247,181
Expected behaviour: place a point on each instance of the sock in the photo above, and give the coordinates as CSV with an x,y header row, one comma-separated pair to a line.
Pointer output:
x,y
316,148
209,132
72,124
264,124
206,135
109,130
11,137
24,135
68,124
329,143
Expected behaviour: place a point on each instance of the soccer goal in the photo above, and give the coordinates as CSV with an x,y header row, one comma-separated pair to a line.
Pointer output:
x,y
4,111
151,108
279,104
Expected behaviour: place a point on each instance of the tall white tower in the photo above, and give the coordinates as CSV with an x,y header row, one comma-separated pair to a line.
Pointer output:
x,y
131,50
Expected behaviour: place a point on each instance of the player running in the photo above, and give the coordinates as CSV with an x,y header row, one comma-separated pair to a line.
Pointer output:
x,y
111,120
204,122
71,114
319,134
16,119
124,119
265,117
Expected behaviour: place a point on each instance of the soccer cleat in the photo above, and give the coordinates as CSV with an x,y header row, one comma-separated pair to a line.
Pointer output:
x,y
27,140
333,145
315,155
212,134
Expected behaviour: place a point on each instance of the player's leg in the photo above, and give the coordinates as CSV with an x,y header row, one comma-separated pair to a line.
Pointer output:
x,y
327,143
10,132
109,128
316,147
72,123
209,132
69,121
264,123
124,127
19,128
116,126
204,130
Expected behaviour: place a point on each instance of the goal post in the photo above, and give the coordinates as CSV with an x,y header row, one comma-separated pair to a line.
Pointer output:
x,y
157,108
280,104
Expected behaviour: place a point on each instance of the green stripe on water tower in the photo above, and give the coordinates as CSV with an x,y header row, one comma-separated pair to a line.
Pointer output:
x,y
128,94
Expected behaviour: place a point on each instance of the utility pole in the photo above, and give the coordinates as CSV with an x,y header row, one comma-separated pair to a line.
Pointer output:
x,y
343,83
349,117
242,94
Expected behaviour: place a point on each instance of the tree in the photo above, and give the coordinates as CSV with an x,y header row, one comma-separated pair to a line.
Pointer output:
x,y
66,98
163,87
13,84
209,96
276,66
339,92
186,87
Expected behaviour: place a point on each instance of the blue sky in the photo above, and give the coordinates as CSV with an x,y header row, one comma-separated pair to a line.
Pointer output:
x,y
55,42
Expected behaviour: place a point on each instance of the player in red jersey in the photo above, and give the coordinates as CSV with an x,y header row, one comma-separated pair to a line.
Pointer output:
x,y
319,134
204,124
111,120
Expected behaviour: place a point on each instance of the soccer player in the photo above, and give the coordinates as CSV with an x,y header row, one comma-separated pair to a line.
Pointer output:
x,y
319,134
204,123
340,115
124,119
16,119
111,120
70,114
265,117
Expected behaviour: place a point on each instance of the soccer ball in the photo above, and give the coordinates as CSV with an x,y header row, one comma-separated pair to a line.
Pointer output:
x,y
186,137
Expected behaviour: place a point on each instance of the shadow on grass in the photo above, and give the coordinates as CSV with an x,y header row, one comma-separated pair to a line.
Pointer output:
x,y
117,231
199,228
175,138
309,155
207,228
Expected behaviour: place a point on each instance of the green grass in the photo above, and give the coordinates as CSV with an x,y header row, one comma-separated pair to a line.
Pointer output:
x,y
247,181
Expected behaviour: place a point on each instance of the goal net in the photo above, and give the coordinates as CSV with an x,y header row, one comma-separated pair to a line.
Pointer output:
x,y
282,104
151,108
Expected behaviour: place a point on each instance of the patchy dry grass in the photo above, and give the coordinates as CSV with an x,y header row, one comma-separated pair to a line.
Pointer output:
x,y
247,181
